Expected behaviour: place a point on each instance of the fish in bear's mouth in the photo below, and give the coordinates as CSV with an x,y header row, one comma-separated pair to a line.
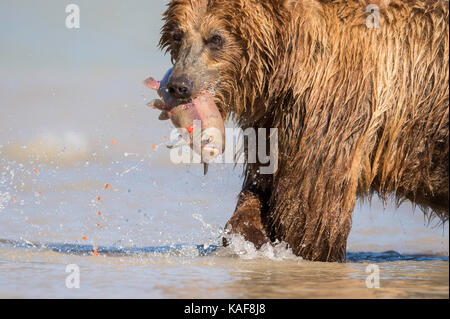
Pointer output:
x,y
184,114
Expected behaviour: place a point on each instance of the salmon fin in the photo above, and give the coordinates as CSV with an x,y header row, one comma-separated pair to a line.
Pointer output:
x,y
163,116
177,144
157,104
151,83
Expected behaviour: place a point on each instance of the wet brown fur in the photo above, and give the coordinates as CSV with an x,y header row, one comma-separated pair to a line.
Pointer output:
x,y
359,110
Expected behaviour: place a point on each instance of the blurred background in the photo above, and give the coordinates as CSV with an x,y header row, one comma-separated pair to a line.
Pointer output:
x,y
73,118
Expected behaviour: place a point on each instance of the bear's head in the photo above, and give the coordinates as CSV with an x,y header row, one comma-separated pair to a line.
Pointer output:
x,y
231,48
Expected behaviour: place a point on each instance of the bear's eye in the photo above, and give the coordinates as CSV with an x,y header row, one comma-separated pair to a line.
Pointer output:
x,y
177,36
215,41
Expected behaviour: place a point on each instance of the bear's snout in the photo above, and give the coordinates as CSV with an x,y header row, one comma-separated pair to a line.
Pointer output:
x,y
180,87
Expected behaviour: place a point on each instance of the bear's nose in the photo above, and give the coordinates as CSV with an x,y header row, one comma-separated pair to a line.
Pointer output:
x,y
180,87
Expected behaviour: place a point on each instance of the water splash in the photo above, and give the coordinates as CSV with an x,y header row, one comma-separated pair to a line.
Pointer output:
x,y
4,199
215,233
244,249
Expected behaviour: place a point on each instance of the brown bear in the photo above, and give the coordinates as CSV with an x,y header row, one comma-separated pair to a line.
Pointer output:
x,y
357,89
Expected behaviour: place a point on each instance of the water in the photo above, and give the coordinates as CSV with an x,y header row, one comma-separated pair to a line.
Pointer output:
x,y
73,119
221,274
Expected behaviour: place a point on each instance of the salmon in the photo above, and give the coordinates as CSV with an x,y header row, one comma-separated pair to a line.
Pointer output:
x,y
201,108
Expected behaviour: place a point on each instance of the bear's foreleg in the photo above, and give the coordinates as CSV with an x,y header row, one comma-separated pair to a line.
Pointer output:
x,y
247,221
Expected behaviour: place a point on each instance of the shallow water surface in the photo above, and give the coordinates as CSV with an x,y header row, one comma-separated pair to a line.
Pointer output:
x,y
222,274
